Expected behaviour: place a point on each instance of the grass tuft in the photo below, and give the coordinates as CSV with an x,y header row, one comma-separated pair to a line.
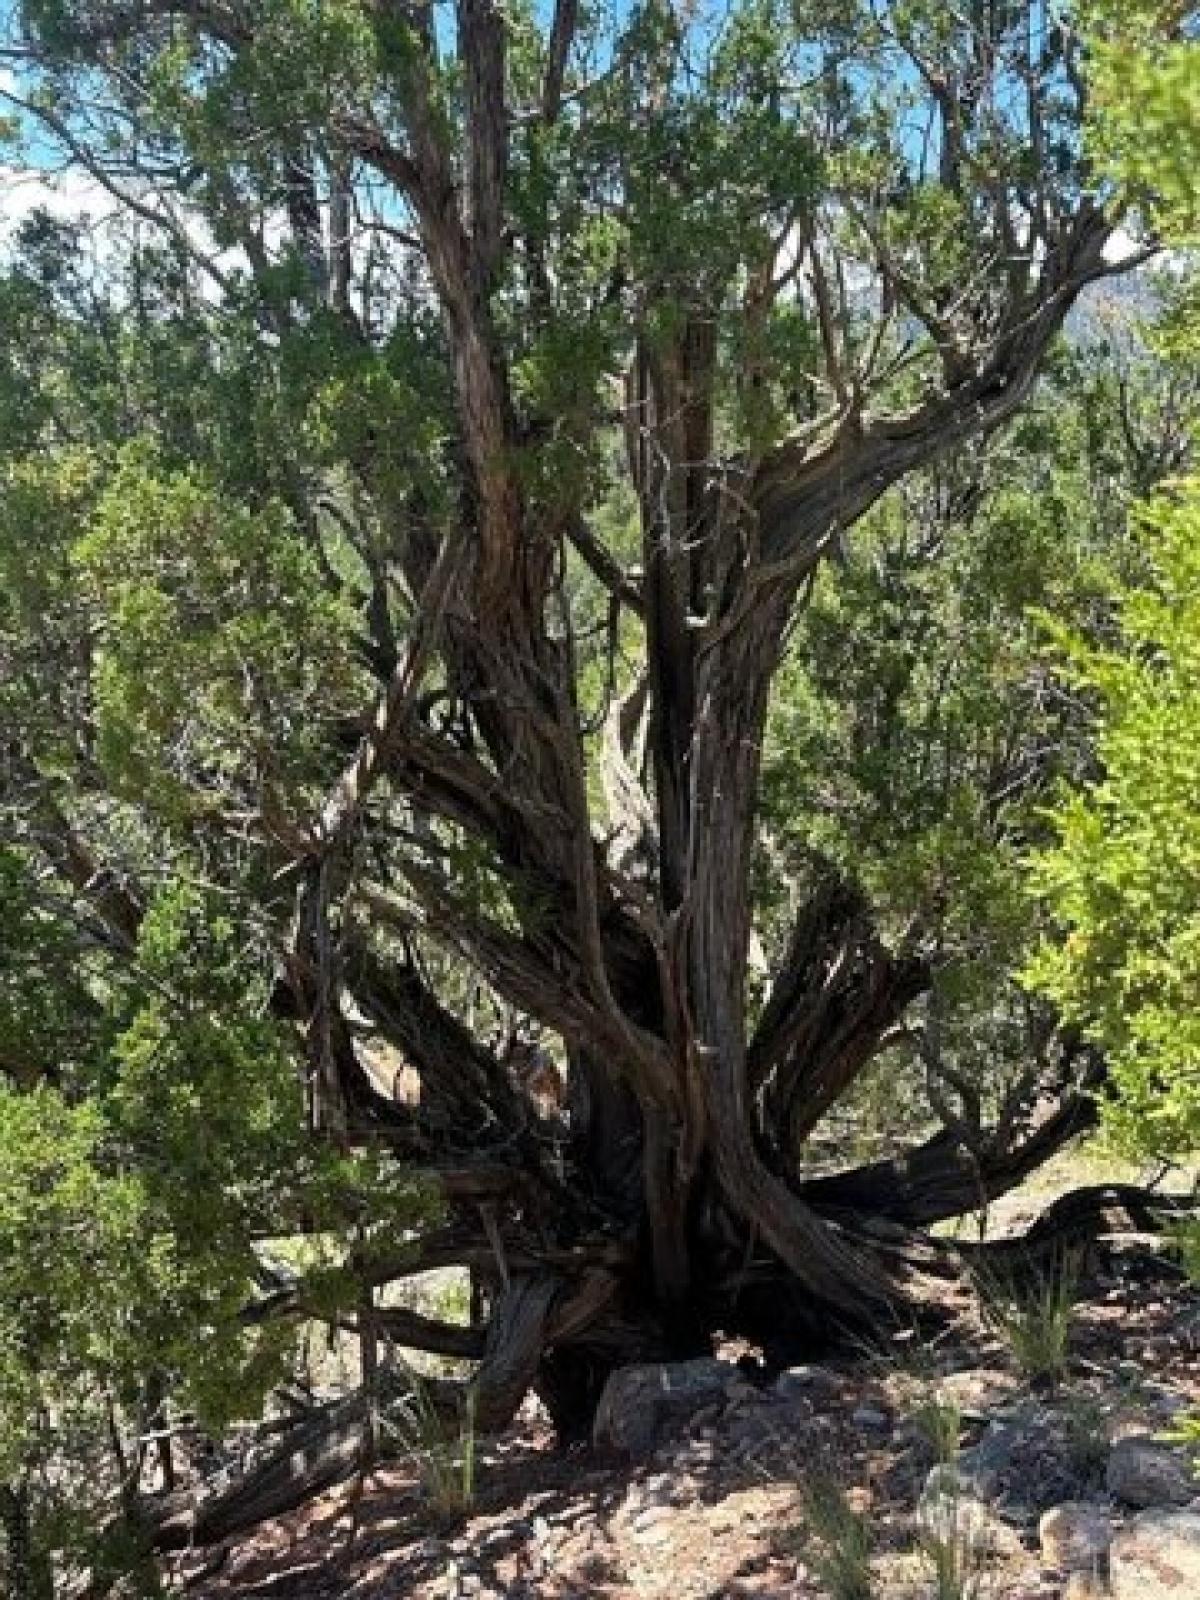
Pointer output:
x,y
444,1452
1035,1320
938,1420
956,1564
838,1540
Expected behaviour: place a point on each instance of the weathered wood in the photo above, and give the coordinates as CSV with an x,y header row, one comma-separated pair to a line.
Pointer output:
x,y
323,1450
667,1194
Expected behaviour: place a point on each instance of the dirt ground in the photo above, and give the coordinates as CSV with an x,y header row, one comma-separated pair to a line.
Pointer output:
x,y
719,1509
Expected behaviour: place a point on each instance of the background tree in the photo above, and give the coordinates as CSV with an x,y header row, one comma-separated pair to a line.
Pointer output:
x,y
1122,880
918,732
416,533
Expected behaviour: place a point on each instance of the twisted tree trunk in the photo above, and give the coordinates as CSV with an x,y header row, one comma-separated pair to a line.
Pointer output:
x,y
666,1201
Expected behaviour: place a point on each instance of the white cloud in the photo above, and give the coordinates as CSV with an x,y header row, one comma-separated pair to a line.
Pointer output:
x,y
1122,245
68,195
72,195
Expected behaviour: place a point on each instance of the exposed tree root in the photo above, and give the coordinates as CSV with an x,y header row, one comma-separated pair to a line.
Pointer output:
x,y
562,1336
1085,1224
322,1450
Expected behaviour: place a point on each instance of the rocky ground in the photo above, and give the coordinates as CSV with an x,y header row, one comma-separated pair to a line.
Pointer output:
x,y
708,1481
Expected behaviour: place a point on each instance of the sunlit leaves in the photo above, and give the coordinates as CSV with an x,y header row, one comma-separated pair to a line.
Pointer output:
x,y
222,657
1146,80
1124,882
70,1246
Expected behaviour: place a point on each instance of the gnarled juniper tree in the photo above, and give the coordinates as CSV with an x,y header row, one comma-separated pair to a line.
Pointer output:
x,y
500,383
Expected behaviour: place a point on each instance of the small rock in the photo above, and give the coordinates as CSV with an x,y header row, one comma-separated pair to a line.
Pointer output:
x,y
977,1392
1086,1586
985,1464
956,1519
651,1517
1145,1472
1075,1537
957,1478
1157,1557
870,1417
804,1381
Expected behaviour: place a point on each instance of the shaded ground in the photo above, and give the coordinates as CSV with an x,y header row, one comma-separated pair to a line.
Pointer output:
x,y
717,1511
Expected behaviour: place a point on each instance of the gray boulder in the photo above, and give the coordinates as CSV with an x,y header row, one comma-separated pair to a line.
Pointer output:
x,y
641,1405
1144,1472
807,1383
1075,1536
960,1522
1157,1557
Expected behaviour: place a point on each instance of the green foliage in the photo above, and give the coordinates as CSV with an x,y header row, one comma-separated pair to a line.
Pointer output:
x,y
915,738
1124,880
205,1103
443,1451
218,638
178,645
916,675
129,1217
70,1254
939,1422
835,1539
47,1007
42,618
1146,117
1034,1319
78,1270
